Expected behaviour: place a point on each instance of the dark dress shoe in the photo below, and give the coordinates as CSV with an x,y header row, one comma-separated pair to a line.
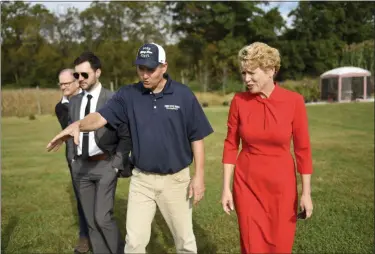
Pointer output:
x,y
82,246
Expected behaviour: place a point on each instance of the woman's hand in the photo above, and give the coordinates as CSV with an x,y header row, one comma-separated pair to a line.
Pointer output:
x,y
306,204
227,201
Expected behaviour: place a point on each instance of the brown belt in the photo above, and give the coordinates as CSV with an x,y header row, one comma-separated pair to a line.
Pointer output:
x,y
98,157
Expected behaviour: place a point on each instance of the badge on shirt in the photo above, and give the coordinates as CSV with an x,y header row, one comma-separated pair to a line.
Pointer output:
x,y
172,107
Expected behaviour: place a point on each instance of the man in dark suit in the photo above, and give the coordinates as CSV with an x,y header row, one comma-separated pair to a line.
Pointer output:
x,y
99,159
70,87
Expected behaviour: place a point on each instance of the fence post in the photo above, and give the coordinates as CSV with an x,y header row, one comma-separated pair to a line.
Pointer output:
x,y
38,101
112,86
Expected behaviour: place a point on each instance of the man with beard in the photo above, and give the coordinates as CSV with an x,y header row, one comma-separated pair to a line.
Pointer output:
x,y
98,159
69,87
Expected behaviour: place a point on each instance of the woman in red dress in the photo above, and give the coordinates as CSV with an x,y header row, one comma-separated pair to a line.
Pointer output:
x,y
265,119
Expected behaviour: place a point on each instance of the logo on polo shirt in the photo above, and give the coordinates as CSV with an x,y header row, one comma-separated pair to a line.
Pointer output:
x,y
172,107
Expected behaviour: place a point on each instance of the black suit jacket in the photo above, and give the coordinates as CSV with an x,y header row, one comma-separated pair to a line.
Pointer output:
x,y
62,113
116,142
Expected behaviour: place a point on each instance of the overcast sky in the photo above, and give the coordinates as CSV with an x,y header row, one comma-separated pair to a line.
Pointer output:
x,y
59,6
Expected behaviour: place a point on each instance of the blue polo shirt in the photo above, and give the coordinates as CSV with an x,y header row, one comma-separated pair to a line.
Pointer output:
x,y
162,125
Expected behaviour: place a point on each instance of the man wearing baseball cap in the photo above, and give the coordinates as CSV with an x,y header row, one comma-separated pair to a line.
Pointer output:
x,y
151,55
167,126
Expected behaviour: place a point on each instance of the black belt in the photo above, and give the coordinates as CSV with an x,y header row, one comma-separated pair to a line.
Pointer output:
x,y
98,157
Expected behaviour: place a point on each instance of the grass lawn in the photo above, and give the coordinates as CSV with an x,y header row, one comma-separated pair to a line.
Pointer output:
x,y
38,208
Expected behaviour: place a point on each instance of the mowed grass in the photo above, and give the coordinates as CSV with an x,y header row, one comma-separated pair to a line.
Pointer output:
x,y
38,208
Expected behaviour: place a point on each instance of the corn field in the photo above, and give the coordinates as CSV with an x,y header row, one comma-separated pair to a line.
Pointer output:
x,y
29,102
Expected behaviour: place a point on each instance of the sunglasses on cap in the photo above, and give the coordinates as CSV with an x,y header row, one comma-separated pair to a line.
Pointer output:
x,y
76,75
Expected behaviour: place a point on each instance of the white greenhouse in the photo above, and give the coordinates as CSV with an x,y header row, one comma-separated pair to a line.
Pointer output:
x,y
345,84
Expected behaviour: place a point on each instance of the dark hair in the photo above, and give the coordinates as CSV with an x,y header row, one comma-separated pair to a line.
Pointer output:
x,y
89,57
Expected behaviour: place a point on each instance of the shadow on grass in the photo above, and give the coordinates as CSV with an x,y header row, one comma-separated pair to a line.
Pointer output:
x,y
204,244
154,245
6,233
204,241
73,200
161,239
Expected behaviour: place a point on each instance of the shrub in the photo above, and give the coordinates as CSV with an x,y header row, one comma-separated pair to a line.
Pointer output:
x,y
308,88
204,104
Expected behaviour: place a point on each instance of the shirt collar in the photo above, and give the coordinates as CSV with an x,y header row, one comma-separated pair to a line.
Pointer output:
x,y
94,92
168,88
65,98
276,95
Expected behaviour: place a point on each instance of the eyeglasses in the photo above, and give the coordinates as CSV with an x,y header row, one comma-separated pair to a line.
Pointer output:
x,y
76,75
66,83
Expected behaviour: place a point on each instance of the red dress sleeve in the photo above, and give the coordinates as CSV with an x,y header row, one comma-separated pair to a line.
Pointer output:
x,y
301,138
232,140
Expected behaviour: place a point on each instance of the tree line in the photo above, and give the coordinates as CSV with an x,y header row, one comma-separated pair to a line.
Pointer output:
x,y
201,39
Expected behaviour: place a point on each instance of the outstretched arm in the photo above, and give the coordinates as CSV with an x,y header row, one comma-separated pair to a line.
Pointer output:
x,y
91,122
113,113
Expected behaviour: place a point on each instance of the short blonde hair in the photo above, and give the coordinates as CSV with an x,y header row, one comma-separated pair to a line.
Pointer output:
x,y
260,55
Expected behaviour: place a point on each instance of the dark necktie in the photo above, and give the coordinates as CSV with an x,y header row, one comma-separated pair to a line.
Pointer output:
x,y
85,141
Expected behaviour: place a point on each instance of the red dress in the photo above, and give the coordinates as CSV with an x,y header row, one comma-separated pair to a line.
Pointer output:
x,y
264,182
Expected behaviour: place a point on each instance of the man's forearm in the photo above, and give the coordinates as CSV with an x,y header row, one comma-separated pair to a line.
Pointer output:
x,y
91,122
198,151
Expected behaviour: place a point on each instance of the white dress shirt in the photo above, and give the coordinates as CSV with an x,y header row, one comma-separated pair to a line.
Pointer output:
x,y
93,148
65,99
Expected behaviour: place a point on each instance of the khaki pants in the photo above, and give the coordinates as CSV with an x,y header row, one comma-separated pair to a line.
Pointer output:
x,y
170,194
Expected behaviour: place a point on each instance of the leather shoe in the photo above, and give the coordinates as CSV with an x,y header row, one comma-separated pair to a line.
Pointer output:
x,y
82,245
